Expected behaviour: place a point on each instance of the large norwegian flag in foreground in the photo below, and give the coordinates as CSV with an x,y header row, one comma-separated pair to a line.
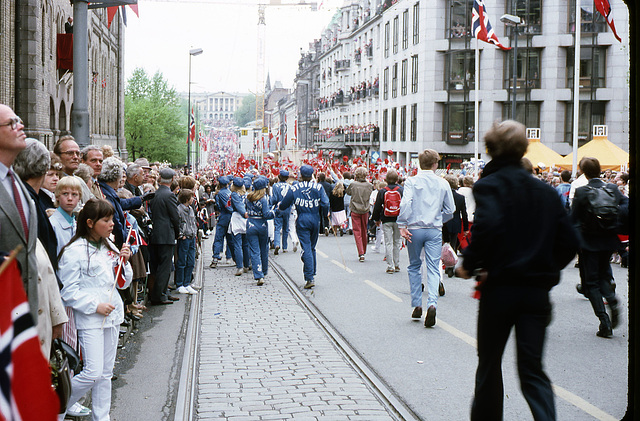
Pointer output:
x,y
604,7
25,378
481,27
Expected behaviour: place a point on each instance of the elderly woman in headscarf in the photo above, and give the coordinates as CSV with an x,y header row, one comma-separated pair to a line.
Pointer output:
x,y
31,165
109,180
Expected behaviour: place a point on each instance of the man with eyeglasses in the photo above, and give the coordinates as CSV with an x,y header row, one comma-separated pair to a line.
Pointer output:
x,y
18,218
69,153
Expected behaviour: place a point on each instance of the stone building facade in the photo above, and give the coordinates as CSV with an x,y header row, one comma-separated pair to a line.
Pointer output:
x,y
39,92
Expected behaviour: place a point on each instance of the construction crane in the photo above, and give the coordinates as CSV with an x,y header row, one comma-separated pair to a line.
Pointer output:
x,y
261,38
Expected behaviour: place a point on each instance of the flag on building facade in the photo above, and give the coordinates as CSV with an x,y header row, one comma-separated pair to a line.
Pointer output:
x,y
111,13
25,378
604,7
481,27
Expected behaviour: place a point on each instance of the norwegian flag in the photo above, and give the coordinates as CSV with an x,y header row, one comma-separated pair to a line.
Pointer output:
x,y
132,224
111,13
604,7
481,27
192,127
25,378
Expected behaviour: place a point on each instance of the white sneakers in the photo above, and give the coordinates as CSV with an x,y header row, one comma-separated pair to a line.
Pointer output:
x,y
187,290
77,410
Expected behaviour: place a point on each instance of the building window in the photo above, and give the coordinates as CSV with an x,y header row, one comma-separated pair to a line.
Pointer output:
x,y
458,123
393,123
386,39
460,70
396,24
385,121
394,81
527,70
592,67
403,123
385,84
414,74
405,70
459,24
531,13
527,113
416,23
414,122
591,114
405,29
591,20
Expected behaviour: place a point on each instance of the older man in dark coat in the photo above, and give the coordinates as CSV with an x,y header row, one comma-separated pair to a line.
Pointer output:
x,y
166,229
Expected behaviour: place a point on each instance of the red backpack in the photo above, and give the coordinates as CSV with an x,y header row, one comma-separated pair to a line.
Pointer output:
x,y
392,200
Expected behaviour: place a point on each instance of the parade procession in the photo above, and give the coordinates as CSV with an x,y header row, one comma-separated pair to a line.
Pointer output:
x,y
318,210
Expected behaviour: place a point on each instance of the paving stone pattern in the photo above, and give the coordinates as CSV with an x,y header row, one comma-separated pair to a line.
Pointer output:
x,y
262,357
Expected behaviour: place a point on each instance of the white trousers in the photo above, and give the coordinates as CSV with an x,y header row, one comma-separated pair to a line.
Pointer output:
x,y
99,348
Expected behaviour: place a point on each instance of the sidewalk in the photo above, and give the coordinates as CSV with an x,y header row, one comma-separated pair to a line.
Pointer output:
x,y
262,357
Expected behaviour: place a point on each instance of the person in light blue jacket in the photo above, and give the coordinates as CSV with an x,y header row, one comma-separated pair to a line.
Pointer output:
x,y
427,203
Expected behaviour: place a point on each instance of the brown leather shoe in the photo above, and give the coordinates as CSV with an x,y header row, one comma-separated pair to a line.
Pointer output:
x,y
417,313
172,298
430,320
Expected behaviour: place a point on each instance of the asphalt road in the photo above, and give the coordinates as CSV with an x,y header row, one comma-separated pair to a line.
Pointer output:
x,y
433,370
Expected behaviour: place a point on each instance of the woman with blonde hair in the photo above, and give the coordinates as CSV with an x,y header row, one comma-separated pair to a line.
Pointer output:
x,y
336,207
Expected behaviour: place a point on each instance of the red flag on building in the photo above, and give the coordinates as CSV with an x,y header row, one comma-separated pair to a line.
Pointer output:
x,y
481,27
604,7
25,378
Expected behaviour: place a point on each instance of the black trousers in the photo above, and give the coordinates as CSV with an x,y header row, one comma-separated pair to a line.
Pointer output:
x,y
161,256
528,310
596,282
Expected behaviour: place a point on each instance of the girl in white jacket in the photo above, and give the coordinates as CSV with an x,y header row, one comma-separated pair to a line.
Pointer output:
x,y
87,269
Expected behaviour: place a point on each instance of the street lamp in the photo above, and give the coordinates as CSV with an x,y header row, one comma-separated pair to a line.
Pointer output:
x,y
192,52
513,21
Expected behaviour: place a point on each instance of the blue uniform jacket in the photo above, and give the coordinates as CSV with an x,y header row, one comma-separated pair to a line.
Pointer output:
x,y
237,203
223,203
278,192
260,209
309,198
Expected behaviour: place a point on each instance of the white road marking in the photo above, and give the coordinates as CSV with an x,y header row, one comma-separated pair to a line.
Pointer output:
x,y
383,291
321,254
341,266
560,392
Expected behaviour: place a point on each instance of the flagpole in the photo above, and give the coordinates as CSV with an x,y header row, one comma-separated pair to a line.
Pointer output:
x,y
476,117
576,90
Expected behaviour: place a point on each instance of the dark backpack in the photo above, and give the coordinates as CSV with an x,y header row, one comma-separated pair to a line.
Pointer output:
x,y
602,209
392,200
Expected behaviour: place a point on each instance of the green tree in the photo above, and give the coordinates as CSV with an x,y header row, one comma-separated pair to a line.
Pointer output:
x,y
246,112
154,124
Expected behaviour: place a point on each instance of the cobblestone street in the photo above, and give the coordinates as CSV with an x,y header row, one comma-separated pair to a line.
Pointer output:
x,y
262,356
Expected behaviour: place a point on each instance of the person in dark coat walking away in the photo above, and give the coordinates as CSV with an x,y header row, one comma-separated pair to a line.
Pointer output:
x,y
514,291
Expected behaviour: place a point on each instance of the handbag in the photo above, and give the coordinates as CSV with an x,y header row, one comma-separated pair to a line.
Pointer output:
x,y
448,256
238,224
60,373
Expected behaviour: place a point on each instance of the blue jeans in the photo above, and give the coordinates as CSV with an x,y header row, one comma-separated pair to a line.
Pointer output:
x,y
258,239
221,232
429,239
281,229
307,228
186,261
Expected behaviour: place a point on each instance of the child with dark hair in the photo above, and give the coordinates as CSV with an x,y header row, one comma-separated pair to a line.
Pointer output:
x,y
186,242
87,267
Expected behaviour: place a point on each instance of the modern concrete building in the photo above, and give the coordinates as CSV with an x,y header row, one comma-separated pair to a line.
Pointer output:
x,y
424,55
35,84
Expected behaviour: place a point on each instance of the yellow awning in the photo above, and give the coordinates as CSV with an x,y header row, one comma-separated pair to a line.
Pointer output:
x,y
611,157
538,153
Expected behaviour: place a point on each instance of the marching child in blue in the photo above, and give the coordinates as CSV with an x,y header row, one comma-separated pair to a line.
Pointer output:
x,y
259,211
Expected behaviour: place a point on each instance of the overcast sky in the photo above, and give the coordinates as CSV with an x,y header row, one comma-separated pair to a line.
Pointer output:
x,y
161,37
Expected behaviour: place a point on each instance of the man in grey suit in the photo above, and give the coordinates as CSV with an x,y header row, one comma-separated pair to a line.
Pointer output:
x,y
18,217
166,228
